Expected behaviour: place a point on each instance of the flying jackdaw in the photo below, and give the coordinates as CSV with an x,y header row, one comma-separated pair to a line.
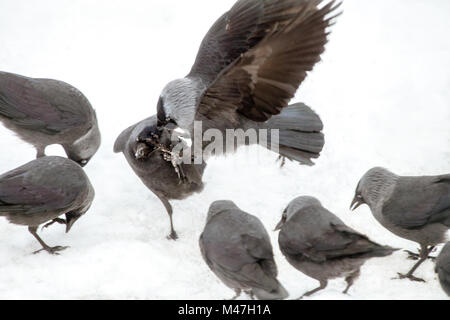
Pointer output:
x,y
248,68
320,245
43,112
150,165
41,191
443,268
414,208
237,248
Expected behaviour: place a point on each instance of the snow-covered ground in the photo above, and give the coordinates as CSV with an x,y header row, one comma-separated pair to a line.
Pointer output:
x,y
382,90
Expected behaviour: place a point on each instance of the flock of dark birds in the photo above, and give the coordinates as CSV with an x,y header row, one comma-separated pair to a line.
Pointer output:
x,y
249,66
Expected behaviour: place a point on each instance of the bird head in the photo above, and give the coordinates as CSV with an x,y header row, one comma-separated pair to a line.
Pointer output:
x,y
83,149
371,187
295,206
219,206
177,102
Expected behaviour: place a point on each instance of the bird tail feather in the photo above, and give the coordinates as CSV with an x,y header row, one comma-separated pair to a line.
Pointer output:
x,y
300,136
381,251
279,294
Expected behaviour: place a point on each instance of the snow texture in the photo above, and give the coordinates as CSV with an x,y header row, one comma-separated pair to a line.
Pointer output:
x,y
382,91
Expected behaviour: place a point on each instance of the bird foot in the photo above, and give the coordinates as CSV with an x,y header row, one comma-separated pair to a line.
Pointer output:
x,y
410,277
52,250
172,236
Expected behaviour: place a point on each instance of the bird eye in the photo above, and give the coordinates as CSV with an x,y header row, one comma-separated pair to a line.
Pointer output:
x,y
83,161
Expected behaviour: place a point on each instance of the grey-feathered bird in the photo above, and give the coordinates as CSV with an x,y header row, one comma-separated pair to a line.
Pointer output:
x,y
156,173
414,208
320,245
41,191
443,268
237,248
43,112
248,68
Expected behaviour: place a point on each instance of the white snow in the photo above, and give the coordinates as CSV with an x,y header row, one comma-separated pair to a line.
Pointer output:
x,y
382,91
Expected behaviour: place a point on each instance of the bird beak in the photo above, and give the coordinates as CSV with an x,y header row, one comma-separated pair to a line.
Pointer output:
x,y
356,203
70,220
280,224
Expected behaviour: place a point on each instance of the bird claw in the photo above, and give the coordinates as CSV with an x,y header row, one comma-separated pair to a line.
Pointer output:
x,y
52,250
172,236
410,277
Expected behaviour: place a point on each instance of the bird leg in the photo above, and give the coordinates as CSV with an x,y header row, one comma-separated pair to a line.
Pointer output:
x,y
40,152
283,161
173,234
323,285
416,256
57,220
51,250
350,280
250,294
237,295
424,253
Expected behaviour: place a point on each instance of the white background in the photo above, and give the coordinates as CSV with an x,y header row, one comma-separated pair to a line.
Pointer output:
x,y
382,91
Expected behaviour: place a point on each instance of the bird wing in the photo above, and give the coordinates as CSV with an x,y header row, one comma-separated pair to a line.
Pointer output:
x,y
18,195
417,201
245,259
238,30
262,81
24,105
330,241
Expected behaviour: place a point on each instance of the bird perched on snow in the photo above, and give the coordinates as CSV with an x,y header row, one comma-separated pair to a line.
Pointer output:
x,y
237,248
320,245
248,68
43,112
156,173
41,191
414,208
443,268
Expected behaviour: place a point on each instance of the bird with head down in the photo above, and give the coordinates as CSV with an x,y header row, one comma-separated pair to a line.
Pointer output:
x,y
43,112
42,190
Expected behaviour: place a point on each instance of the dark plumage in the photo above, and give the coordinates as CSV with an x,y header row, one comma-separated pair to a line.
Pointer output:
x,y
443,268
249,66
44,112
237,248
41,191
155,172
320,245
414,208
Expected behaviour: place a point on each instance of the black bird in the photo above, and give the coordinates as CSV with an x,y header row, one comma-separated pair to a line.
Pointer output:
x,y
41,191
151,166
43,112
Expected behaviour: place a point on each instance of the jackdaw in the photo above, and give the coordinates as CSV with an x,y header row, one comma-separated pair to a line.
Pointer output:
x,y
41,191
320,245
237,248
150,165
443,268
43,112
414,208
249,66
